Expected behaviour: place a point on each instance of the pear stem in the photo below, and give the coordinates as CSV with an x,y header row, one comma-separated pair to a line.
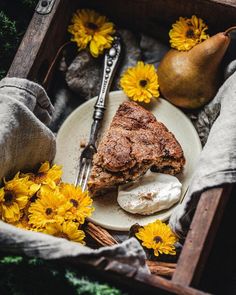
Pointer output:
x,y
229,30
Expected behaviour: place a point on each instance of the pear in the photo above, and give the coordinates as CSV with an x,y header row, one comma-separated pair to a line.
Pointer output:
x,y
189,79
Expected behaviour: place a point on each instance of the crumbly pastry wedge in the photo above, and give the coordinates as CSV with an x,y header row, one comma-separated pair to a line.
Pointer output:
x,y
135,142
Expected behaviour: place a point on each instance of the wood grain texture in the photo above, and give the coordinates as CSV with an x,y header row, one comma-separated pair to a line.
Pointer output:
x,y
155,17
123,275
168,286
42,39
201,235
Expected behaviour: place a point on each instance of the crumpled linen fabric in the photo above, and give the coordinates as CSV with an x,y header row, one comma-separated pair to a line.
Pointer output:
x,y
26,141
18,241
216,124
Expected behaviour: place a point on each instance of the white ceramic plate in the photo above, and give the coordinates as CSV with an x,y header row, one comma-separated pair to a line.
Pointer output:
x,y
75,130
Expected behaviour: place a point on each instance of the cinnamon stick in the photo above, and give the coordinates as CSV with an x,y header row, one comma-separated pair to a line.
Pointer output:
x,y
99,234
161,263
161,268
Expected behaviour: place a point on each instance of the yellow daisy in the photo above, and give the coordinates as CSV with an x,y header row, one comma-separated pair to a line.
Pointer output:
x,y
140,83
187,32
67,230
47,175
45,209
159,237
91,29
23,223
79,204
14,197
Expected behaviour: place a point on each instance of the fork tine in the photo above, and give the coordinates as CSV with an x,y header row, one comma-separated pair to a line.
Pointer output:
x,y
85,180
82,171
85,166
81,168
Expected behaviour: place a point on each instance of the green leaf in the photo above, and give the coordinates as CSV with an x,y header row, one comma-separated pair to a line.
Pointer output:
x,y
11,260
86,287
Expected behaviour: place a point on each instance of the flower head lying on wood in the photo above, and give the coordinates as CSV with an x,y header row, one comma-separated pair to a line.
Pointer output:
x,y
91,29
159,237
187,32
41,202
140,83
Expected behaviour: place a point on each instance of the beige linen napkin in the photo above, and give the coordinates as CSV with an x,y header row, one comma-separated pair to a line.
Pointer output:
x,y
24,139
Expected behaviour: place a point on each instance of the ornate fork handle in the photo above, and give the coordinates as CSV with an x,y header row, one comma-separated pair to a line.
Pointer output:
x,y
111,60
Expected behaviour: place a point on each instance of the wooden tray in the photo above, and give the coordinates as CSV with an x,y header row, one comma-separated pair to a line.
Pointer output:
x,y
47,32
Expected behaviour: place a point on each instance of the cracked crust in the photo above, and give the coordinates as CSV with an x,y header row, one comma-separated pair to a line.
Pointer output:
x,y
135,142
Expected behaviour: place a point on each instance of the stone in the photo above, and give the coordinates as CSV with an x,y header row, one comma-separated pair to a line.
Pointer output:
x,y
83,76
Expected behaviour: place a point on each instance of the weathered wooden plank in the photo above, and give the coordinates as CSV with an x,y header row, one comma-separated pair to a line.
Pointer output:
x,y
167,285
155,17
42,39
126,276
201,235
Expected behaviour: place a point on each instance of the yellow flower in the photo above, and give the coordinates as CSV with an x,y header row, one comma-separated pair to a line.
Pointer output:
x,y
45,209
14,197
23,223
140,83
90,28
67,230
159,237
46,175
187,32
79,204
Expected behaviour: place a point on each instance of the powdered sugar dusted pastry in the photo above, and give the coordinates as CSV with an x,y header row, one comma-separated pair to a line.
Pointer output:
x,y
135,142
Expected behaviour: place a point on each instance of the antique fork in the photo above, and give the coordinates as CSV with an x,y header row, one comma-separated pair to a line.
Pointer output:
x,y
112,57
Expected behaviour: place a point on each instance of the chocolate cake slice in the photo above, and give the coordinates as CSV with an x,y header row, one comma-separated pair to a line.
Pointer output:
x,y
135,142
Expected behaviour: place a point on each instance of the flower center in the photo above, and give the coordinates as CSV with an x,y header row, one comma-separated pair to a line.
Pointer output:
x,y
143,83
92,26
158,239
9,197
48,211
190,33
74,203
